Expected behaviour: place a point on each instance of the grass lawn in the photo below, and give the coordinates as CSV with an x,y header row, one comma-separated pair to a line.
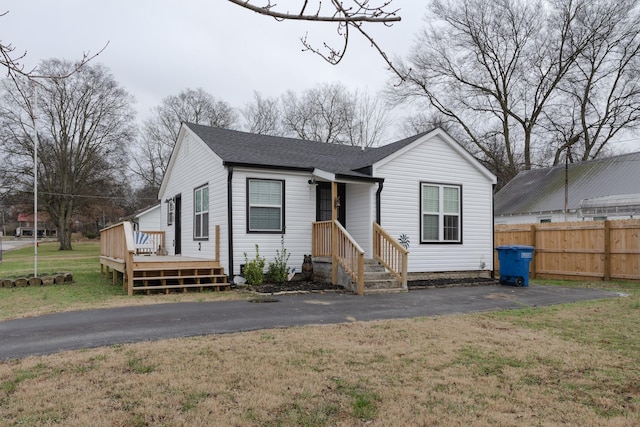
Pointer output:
x,y
89,288
573,364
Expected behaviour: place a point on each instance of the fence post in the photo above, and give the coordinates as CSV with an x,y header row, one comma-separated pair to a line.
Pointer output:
x,y
532,241
607,250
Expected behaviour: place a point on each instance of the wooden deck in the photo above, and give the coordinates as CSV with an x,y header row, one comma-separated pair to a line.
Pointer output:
x,y
156,273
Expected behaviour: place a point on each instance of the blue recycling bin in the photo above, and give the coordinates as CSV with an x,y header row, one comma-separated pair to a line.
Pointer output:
x,y
514,264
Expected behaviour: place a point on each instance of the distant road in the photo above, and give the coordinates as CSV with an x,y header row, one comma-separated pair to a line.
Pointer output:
x,y
7,245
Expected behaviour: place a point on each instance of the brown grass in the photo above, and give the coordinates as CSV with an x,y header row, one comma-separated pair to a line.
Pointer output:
x,y
528,367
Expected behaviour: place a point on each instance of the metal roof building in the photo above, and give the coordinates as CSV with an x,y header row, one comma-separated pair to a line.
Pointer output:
x,y
597,189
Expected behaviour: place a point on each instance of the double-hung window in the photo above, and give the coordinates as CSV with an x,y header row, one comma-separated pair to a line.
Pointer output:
x,y
265,205
440,211
201,213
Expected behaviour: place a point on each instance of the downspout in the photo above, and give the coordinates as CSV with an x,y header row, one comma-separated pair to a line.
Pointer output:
x,y
230,220
493,231
378,198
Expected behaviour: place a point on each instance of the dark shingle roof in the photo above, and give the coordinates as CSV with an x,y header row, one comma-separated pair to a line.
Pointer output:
x,y
243,148
542,190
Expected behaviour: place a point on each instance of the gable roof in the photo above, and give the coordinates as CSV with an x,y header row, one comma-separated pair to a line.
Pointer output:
x,y
542,190
239,148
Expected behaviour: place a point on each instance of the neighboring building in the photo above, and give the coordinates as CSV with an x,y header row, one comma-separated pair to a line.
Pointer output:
x,y
598,189
149,219
425,190
26,223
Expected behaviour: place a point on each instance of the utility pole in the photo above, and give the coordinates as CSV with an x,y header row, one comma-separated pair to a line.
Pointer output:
x,y
32,112
566,182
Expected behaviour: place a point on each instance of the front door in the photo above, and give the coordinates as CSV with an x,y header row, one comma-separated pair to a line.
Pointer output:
x,y
177,243
324,203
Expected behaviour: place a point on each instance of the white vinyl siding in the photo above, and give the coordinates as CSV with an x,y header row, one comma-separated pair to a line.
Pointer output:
x,y
300,212
201,213
434,159
265,209
194,165
440,213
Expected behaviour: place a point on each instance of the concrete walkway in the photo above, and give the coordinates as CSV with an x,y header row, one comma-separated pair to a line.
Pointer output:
x,y
93,328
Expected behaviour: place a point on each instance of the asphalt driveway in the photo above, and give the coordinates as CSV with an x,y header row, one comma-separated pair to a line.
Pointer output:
x,y
94,328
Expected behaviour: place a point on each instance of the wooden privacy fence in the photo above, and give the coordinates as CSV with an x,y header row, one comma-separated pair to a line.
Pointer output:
x,y
593,250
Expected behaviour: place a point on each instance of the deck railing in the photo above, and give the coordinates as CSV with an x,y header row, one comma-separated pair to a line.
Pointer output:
x,y
388,252
321,239
156,243
116,241
331,239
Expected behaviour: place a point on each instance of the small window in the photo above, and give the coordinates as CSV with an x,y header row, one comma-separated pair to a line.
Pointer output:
x,y
171,211
265,206
201,213
545,220
440,213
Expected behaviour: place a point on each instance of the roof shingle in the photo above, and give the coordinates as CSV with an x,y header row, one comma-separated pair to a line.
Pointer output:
x,y
236,147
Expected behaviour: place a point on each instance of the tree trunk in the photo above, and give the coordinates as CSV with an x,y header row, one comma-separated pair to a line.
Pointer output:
x,y
63,222
64,234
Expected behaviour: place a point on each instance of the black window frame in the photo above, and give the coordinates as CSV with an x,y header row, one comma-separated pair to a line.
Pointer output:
x,y
200,218
441,214
249,207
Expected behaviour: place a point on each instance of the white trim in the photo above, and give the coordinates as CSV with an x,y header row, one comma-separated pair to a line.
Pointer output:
x,y
327,176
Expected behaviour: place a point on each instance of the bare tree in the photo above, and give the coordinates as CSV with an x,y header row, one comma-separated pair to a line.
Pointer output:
x,y
319,114
83,124
369,122
347,15
331,113
424,121
494,68
160,131
600,97
262,116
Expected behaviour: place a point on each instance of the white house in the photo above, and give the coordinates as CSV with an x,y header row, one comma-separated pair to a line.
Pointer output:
x,y
149,219
593,190
260,189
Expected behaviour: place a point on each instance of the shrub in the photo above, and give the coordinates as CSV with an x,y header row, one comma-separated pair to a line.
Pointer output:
x,y
254,269
278,270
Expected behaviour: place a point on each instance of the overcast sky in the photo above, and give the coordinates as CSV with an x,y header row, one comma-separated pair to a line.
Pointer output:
x,y
160,47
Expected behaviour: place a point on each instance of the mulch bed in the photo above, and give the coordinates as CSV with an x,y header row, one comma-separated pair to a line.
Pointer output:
x,y
447,283
309,286
295,286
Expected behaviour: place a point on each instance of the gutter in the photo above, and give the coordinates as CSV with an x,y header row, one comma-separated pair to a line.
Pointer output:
x,y
378,198
493,231
230,219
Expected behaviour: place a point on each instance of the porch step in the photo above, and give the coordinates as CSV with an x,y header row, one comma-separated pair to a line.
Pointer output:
x,y
377,279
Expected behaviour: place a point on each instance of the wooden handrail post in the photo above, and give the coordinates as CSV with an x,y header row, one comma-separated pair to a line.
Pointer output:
x,y
405,268
334,233
360,274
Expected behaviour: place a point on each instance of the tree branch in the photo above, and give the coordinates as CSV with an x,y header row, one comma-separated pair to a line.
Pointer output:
x,y
363,13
